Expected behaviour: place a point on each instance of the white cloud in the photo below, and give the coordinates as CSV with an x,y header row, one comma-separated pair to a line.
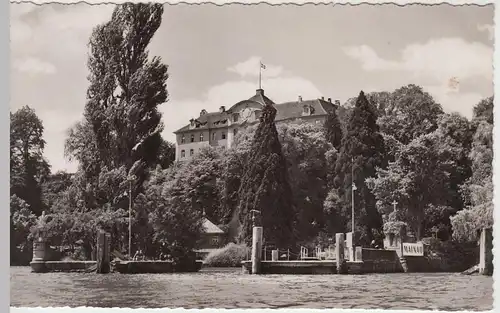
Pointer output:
x,y
251,67
439,66
370,61
453,100
177,112
490,29
438,60
34,66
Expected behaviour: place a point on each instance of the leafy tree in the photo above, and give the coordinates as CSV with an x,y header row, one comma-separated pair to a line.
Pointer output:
x,y
174,213
21,220
484,110
28,168
361,152
304,146
408,113
54,185
122,124
425,179
265,186
478,190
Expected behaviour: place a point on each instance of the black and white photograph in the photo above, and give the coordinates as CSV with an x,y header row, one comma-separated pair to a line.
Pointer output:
x,y
251,156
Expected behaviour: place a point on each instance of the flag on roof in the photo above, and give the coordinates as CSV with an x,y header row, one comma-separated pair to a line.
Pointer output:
x,y
262,65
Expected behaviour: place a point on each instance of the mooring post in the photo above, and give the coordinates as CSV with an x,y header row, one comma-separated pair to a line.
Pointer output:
x,y
103,266
339,253
274,255
256,249
486,252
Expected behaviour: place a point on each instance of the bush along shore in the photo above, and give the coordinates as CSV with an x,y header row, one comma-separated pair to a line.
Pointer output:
x,y
229,256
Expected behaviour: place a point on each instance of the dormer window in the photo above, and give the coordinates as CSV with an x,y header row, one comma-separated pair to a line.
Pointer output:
x,y
201,137
192,123
307,110
183,139
236,117
192,138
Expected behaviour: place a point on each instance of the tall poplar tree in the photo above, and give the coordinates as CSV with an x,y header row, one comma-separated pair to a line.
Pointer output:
x,y
122,123
265,186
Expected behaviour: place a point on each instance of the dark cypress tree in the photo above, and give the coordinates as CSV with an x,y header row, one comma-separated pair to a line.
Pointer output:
x,y
333,129
265,186
361,152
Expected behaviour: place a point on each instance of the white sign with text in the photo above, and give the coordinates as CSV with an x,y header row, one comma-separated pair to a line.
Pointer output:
x,y
413,249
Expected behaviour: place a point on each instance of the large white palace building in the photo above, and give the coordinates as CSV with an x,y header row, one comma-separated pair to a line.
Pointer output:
x,y
219,128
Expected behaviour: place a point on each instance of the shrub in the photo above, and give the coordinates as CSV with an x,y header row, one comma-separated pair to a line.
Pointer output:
x,y
230,256
451,256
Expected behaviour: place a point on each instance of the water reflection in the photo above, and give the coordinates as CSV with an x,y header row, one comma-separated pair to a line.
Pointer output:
x,y
231,289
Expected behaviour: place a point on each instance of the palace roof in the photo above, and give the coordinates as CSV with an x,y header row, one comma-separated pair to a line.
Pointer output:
x,y
286,110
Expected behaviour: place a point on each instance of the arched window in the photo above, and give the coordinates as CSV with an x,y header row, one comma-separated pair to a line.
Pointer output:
x,y
191,152
183,139
201,137
214,136
183,154
192,138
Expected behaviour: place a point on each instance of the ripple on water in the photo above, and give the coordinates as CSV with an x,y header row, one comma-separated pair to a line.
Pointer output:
x,y
231,289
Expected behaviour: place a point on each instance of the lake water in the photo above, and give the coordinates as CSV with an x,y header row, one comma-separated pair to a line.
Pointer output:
x,y
229,288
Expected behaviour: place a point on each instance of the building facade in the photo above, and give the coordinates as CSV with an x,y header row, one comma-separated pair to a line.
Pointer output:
x,y
218,129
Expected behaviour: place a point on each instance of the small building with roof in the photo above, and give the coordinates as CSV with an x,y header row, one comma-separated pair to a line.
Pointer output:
x,y
218,129
212,238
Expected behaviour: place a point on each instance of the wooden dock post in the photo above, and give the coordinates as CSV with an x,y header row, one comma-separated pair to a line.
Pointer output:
x,y
103,264
339,253
256,249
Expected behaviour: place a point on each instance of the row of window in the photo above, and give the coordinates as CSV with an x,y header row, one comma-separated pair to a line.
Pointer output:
x,y
183,153
214,136
191,152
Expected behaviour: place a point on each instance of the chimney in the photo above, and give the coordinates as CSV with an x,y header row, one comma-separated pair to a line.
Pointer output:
x,y
260,92
337,102
203,112
222,109
300,98
330,100
323,98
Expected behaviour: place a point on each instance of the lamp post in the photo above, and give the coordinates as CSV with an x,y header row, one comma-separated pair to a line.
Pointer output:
x,y
353,188
131,178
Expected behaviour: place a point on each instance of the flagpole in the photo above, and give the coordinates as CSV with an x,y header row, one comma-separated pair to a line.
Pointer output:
x,y
260,75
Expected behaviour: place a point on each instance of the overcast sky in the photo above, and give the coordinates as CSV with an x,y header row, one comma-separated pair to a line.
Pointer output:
x,y
213,55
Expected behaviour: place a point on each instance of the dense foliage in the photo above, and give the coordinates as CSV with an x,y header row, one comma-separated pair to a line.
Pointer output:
x,y
265,186
362,151
399,149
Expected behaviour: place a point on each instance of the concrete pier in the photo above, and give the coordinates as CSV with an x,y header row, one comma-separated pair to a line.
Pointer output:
x,y
256,249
